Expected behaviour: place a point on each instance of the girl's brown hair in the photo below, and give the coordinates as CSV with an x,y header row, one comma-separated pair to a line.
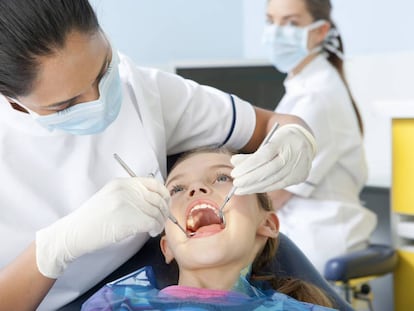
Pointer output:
x,y
295,288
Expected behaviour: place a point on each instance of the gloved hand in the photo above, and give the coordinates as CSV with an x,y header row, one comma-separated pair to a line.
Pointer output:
x,y
284,161
120,209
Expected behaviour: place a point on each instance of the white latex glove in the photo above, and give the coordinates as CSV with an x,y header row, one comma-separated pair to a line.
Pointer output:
x,y
120,209
284,161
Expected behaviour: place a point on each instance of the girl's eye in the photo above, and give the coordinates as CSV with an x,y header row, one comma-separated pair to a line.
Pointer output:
x,y
223,178
176,189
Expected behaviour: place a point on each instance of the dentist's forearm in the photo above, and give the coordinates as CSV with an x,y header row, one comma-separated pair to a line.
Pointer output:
x,y
22,286
264,122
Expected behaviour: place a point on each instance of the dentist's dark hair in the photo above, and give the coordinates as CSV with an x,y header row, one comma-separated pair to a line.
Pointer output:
x,y
32,29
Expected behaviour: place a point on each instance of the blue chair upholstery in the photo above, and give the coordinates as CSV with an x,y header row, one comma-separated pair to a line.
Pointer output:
x,y
375,260
289,261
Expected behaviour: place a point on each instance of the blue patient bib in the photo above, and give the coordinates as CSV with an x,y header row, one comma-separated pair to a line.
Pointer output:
x,y
138,291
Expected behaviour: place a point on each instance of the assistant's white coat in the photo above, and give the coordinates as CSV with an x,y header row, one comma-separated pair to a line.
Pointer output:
x,y
325,217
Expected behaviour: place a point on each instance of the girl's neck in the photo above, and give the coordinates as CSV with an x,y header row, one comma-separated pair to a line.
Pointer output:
x,y
222,278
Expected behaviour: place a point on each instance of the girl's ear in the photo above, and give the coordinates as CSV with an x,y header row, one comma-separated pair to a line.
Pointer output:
x,y
165,249
270,226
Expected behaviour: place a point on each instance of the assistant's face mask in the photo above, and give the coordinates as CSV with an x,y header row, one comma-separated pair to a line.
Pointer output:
x,y
90,117
287,46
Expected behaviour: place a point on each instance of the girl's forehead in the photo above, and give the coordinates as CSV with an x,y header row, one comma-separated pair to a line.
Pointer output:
x,y
200,163
204,160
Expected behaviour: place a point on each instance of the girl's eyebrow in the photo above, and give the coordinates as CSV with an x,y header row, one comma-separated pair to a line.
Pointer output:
x,y
182,175
168,181
223,166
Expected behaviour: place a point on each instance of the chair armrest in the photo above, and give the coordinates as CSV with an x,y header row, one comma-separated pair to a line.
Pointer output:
x,y
376,259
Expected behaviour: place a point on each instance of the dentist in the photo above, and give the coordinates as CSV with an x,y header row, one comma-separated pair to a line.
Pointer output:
x,y
68,101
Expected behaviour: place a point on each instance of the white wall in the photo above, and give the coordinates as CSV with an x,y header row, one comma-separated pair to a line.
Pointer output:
x,y
253,23
380,82
156,32
375,26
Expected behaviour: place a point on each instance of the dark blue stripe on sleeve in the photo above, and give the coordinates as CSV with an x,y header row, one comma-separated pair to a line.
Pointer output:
x,y
233,123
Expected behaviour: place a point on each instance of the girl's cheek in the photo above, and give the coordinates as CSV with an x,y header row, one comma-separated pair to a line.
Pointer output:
x,y
224,186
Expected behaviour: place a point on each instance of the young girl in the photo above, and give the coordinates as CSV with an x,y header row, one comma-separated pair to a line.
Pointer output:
x,y
302,40
218,264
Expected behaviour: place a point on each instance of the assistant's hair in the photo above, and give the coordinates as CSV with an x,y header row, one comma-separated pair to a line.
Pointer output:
x,y
29,29
295,288
321,9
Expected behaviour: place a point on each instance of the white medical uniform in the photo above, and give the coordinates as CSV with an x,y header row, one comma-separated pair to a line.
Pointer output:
x,y
325,217
46,175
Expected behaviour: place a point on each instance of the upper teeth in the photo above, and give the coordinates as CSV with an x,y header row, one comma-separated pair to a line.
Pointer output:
x,y
203,206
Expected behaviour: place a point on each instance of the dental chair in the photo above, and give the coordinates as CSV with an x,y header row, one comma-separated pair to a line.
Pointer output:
x,y
289,261
353,271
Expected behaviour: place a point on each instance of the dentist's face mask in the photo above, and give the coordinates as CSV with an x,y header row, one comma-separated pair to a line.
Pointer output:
x,y
89,117
287,46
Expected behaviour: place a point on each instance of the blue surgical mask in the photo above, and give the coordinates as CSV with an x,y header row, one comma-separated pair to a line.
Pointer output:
x,y
90,117
287,46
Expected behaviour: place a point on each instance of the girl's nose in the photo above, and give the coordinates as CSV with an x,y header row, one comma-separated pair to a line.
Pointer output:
x,y
198,188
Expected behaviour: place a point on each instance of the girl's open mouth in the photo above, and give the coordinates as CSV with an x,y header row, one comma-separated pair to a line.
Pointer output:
x,y
203,218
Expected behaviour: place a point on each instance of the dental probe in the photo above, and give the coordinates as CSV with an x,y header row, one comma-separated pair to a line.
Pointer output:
x,y
233,189
132,174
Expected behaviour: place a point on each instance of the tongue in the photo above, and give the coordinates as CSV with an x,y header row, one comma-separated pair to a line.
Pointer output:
x,y
209,228
202,218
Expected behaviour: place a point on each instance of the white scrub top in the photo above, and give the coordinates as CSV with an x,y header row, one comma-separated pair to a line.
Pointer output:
x,y
325,217
46,175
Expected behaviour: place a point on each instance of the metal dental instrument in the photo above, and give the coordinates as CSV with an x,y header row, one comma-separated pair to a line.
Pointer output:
x,y
132,174
233,189
124,165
